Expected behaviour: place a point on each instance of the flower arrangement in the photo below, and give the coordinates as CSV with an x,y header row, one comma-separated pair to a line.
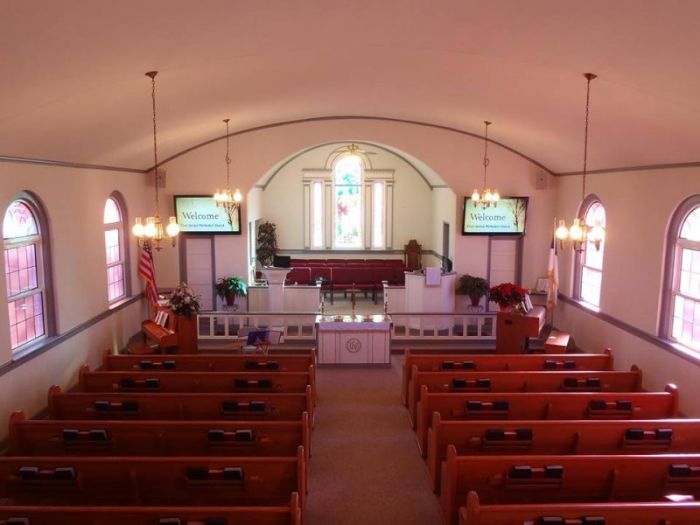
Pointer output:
x,y
183,300
474,287
507,295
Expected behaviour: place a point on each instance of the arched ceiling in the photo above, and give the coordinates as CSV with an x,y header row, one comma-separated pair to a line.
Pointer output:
x,y
73,88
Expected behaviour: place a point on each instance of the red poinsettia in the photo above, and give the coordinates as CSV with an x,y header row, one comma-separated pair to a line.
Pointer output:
x,y
507,294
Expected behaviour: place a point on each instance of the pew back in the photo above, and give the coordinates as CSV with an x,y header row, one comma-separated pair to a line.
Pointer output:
x,y
521,381
156,438
481,362
179,406
556,513
544,405
476,438
543,479
210,363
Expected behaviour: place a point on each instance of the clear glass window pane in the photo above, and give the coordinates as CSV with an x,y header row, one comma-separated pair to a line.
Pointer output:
x,y
378,215
19,221
26,319
112,246
691,226
20,269
590,285
111,212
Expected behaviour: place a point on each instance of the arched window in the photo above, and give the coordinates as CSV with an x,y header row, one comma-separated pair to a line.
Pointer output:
x,y
590,262
682,314
347,182
114,250
24,273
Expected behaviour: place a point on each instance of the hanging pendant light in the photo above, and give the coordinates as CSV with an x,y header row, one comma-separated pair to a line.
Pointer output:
x,y
486,197
227,199
150,233
579,232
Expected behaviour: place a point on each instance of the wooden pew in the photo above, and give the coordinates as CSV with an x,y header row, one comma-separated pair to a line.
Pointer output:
x,y
160,381
210,363
178,406
49,437
479,362
472,438
521,381
289,514
152,481
544,479
544,405
579,513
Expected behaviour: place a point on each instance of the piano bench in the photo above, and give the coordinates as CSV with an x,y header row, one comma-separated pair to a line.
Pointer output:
x,y
141,348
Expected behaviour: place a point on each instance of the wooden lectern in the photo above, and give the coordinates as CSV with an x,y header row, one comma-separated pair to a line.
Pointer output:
x,y
514,329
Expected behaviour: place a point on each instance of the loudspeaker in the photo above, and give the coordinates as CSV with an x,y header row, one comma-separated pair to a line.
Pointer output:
x,y
541,180
150,179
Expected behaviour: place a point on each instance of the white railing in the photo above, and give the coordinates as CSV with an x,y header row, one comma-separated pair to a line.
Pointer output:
x,y
444,326
225,325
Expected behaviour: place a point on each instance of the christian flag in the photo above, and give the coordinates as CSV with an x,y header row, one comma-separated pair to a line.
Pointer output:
x,y
552,276
148,272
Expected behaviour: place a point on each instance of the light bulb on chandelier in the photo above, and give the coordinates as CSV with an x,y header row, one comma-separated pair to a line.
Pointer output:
x,y
486,197
229,200
579,232
151,233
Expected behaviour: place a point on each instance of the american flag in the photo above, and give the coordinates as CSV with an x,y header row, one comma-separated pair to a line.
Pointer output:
x,y
552,277
148,272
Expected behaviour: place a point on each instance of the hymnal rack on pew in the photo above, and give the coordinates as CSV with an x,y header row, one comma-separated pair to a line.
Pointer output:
x,y
162,329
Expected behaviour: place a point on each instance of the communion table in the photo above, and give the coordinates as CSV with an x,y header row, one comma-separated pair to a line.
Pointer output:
x,y
353,340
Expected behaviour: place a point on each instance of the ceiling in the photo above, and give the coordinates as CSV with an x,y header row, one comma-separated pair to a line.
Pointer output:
x,y
73,87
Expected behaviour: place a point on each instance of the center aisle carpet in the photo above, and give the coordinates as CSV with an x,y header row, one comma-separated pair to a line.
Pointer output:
x,y
365,469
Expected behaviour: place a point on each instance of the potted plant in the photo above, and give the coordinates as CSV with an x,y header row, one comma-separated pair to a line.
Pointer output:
x,y
266,243
228,288
507,295
474,287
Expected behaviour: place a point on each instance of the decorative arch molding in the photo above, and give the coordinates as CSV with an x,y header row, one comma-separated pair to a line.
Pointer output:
x,y
42,217
676,221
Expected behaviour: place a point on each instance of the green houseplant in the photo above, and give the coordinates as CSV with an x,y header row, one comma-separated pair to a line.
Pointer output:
x,y
266,243
228,288
474,287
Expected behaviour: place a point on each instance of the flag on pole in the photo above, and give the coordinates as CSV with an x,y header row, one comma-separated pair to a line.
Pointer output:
x,y
147,271
552,276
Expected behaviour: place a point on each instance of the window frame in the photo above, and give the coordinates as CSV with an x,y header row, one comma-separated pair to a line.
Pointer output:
x,y
123,247
672,264
588,202
42,244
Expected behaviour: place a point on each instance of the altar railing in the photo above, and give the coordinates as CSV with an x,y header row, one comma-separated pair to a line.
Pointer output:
x,y
226,325
444,326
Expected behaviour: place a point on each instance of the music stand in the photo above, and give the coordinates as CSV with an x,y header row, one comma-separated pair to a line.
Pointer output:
x,y
262,339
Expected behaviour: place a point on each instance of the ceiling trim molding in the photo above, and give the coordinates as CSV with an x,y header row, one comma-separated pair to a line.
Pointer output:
x,y
66,164
643,167
363,143
280,124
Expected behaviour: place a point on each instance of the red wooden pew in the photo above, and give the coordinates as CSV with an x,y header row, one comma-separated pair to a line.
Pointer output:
x,y
472,438
544,479
48,437
289,514
521,381
479,362
160,381
579,513
544,405
179,406
152,481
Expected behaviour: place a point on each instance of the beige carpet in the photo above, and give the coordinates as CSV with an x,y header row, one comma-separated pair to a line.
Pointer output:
x,y
365,468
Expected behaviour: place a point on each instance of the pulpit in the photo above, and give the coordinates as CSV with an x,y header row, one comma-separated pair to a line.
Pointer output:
x,y
514,329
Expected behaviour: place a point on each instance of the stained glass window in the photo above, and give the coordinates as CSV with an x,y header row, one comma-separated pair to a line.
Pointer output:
x,y
114,251
685,317
347,178
25,294
592,257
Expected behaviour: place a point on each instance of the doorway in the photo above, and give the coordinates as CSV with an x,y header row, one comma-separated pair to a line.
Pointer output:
x,y
199,268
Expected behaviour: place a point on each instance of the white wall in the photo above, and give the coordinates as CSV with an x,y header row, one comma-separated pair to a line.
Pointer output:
x,y
638,206
444,210
74,201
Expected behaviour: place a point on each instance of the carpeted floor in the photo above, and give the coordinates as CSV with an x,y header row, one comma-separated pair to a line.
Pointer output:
x,y
365,468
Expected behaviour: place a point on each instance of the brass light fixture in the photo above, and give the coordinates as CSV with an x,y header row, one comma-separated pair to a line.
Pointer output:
x,y
150,233
579,232
486,198
227,199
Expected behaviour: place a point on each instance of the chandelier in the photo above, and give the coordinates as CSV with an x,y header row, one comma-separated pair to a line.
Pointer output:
x,y
227,199
150,232
486,197
579,232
